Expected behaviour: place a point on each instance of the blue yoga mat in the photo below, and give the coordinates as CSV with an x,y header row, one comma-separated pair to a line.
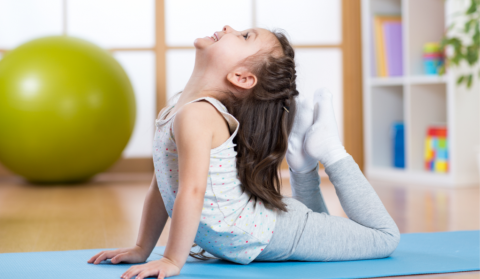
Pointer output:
x,y
417,253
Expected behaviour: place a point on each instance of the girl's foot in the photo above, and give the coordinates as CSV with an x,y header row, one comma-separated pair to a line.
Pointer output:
x,y
298,160
321,139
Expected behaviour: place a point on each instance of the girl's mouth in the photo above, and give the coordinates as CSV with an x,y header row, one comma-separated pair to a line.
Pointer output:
x,y
215,37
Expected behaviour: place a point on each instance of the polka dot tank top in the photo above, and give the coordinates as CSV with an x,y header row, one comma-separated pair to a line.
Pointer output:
x,y
234,225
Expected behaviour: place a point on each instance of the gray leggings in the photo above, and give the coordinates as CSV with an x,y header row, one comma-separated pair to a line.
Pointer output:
x,y
307,232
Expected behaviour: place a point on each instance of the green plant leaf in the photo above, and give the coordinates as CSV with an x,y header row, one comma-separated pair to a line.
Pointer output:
x,y
469,25
456,43
472,55
476,34
473,7
457,57
469,80
463,51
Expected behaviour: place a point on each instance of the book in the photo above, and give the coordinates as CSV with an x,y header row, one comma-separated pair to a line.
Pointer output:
x,y
373,61
393,48
380,46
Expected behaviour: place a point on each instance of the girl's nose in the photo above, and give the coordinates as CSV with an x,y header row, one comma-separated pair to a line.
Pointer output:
x,y
227,29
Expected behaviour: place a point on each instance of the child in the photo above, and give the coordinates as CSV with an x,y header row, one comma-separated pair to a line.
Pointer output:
x,y
243,217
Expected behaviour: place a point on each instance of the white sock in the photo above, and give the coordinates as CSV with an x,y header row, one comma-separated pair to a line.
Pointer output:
x,y
321,140
298,160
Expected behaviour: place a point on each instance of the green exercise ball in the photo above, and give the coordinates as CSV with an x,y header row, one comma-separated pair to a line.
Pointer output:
x,y
67,110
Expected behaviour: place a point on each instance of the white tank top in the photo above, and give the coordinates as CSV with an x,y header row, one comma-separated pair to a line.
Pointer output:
x,y
234,225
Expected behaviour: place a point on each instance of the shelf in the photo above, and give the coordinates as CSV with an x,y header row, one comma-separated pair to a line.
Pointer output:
x,y
428,106
427,79
417,99
387,81
413,177
419,79
425,23
387,108
385,7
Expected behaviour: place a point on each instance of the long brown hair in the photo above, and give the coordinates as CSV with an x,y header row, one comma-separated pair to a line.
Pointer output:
x,y
265,124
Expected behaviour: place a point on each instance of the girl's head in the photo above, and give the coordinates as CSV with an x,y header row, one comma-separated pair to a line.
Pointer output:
x,y
225,53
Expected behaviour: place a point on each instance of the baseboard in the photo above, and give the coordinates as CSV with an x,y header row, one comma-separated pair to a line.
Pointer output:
x,y
131,165
123,165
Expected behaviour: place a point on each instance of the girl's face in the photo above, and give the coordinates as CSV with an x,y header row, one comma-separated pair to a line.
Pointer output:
x,y
227,48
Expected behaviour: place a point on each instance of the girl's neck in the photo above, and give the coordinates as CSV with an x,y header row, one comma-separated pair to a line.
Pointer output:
x,y
201,84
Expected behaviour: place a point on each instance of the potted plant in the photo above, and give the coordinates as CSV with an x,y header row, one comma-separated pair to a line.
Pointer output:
x,y
461,42
461,46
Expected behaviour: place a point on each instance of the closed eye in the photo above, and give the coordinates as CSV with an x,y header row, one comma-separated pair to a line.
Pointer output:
x,y
246,36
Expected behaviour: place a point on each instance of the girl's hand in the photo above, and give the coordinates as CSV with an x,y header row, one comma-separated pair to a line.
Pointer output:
x,y
160,268
127,255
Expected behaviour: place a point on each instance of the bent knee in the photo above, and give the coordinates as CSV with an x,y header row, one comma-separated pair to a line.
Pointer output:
x,y
391,241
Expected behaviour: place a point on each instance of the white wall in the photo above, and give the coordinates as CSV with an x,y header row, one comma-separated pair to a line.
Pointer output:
x,y
23,20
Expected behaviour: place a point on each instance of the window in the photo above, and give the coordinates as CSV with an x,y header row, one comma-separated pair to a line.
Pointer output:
x,y
153,41
125,27
314,27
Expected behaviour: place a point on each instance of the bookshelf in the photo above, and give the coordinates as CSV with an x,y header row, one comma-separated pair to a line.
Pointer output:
x,y
418,100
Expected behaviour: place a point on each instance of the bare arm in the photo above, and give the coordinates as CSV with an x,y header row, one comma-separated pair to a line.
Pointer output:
x,y
193,127
193,134
154,218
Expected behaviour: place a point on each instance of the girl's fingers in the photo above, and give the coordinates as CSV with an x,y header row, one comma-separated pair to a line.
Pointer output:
x,y
104,256
125,275
94,257
99,258
118,258
146,273
132,271
161,274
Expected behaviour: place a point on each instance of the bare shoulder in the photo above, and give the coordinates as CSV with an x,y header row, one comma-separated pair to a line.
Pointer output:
x,y
199,114
201,120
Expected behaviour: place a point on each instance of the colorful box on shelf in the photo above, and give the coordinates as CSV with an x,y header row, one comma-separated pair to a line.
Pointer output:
x,y
398,143
432,58
436,149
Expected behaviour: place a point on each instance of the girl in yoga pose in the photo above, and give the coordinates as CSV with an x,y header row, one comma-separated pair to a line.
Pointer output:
x,y
216,154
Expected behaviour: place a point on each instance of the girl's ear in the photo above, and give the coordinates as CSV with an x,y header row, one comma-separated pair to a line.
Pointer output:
x,y
242,79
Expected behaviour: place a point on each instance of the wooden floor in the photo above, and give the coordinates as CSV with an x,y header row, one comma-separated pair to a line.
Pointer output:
x,y
105,213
